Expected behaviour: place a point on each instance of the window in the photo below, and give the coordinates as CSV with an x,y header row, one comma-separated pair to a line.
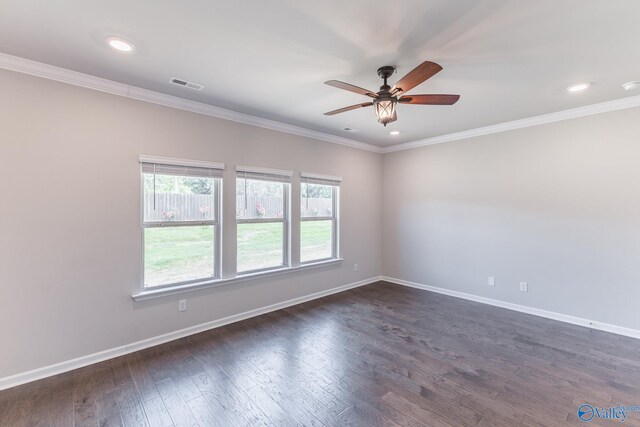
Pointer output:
x,y
181,205
319,217
180,221
262,212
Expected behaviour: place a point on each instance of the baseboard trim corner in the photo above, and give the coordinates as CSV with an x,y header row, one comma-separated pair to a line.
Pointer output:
x,y
69,365
592,324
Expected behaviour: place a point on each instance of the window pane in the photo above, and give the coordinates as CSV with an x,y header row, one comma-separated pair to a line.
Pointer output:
x,y
259,199
260,245
178,254
316,200
178,198
316,239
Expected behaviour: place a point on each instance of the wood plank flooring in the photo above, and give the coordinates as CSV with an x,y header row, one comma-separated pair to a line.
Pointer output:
x,y
378,355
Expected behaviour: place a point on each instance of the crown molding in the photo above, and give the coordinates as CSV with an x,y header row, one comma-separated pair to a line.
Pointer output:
x,y
588,110
51,72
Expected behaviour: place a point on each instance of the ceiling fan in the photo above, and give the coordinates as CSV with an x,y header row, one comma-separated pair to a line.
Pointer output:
x,y
388,97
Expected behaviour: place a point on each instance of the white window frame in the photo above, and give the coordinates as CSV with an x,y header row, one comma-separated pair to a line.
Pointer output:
x,y
268,175
216,223
334,182
232,277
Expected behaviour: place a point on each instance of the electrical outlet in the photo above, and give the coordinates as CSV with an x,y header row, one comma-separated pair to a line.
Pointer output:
x,y
182,305
355,267
524,287
491,281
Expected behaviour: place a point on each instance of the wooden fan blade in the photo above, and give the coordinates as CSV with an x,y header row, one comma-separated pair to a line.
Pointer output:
x,y
351,88
352,107
421,73
429,99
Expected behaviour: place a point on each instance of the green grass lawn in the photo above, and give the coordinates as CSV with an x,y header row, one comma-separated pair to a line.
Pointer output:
x,y
315,240
259,246
176,254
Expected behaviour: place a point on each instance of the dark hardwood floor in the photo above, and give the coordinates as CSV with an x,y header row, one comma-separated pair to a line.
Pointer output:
x,y
378,355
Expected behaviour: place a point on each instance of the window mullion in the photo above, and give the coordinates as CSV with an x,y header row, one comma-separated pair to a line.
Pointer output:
x,y
286,258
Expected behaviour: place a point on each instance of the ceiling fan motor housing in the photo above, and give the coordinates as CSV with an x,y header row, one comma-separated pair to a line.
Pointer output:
x,y
386,71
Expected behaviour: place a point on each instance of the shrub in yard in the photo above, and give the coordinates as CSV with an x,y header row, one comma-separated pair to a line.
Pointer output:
x,y
170,214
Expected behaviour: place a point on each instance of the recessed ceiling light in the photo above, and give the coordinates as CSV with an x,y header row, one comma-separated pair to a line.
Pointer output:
x,y
394,132
578,87
120,44
631,85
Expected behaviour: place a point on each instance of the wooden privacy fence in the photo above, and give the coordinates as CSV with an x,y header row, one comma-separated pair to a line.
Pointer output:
x,y
272,207
195,207
178,207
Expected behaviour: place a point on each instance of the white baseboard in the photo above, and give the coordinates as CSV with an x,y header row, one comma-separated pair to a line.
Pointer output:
x,y
607,327
69,365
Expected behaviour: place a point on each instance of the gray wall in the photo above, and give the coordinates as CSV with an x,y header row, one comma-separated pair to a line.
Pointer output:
x,y
557,206
70,256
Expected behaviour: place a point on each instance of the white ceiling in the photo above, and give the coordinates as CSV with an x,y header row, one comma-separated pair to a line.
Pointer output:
x,y
508,59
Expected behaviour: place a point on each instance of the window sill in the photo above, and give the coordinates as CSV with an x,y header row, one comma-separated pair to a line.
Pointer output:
x,y
145,294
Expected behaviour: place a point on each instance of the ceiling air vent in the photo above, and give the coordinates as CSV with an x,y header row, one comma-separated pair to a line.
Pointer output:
x,y
184,83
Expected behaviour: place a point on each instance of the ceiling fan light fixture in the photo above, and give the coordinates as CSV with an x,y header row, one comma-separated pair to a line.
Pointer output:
x,y
385,110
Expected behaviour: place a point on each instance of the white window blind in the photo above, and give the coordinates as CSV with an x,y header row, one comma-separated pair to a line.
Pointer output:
x,y
274,175
312,178
181,170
